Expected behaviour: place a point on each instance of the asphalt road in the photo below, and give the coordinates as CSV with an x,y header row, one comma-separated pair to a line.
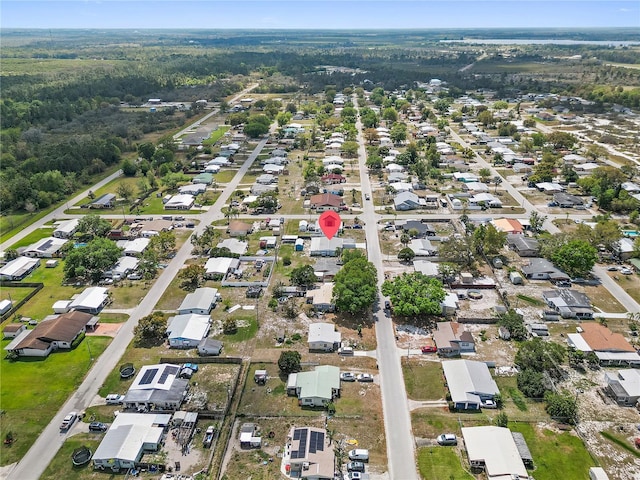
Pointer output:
x,y
397,419
50,440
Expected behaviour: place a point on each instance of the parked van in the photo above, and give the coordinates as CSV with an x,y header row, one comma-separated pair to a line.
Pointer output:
x,y
359,454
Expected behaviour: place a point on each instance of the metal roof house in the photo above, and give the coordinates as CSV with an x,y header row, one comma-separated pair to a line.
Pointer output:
x,y
452,340
624,386
210,346
470,383
201,301
108,200
315,388
67,228
234,245
18,268
157,386
220,266
91,300
182,201
128,438
308,455
494,450
187,331
323,337
44,248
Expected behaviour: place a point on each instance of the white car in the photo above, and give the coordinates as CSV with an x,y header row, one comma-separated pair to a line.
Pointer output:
x,y
365,377
114,399
68,421
626,271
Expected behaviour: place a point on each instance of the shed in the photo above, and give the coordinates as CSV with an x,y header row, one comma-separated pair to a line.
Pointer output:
x,y
260,377
516,278
210,346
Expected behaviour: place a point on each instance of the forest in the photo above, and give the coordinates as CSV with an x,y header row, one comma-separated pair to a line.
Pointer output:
x,y
67,109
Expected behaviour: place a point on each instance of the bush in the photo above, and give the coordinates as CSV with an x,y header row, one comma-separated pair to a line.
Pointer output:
x,y
286,261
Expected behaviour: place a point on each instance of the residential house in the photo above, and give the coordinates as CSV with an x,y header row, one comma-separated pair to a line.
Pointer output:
x,y
475,187
333,178
610,348
180,202
157,387
452,339
394,168
267,179
326,268
50,335
323,337
569,303
220,266
272,169
235,246
129,437
585,168
426,268
408,201
494,450
470,383
201,301
623,249
307,455
624,386
203,179
315,388
108,200
326,201
449,305
321,298
564,200
422,229
324,247
508,225
465,177
187,330
400,187
549,187
210,346
123,267
67,228
91,300
45,248
193,189
523,246
543,269
238,228
19,268
484,199
135,247
422,247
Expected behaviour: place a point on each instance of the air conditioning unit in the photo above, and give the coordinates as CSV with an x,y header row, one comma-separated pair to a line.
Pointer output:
x,y
305,466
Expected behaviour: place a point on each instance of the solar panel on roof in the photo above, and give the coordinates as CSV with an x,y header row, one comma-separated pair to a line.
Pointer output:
x,y
46,245
316,442
148,376
167,371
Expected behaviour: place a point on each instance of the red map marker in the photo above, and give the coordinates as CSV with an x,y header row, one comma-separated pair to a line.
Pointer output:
x,y
329,223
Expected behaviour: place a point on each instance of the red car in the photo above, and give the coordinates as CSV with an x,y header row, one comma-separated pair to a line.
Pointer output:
x,y
429,349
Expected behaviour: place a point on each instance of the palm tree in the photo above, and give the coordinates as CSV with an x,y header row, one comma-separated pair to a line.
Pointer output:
x,y
405,239
497,180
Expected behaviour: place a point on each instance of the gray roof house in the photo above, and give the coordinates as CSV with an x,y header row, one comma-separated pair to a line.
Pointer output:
x,y
423,229
18,268
157,386
188,330
315,388
326,268
565,200
470,383
323,337
210,346
523,246
624,248
107,200
422,247
408,201
624,386
569,303
201,301
543,269
45,248
496,451
128,438
452,339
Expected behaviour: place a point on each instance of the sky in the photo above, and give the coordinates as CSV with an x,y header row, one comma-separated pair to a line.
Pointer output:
x,y
314,14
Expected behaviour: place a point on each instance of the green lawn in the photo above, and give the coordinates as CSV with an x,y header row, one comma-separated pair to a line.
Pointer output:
x,y
423,381
34,389
37,234
437,463
14,293
62,461
225,176
216,135
555,453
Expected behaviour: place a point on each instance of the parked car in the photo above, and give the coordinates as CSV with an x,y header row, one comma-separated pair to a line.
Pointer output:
x,y
365,377
134,276
114,399
367,196
359,454
354,476
447,439
357,226
347,351
192,366
626,271
68,421
97,427
347,377
429,349
612,269
355,467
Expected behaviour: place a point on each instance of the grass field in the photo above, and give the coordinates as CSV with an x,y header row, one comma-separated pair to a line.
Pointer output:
x,y
436,463
216,135
62,461
555,452
424,381
29,401
37,234
15,294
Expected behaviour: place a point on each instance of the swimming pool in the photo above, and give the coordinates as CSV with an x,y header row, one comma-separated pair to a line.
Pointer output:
x,y
630,233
